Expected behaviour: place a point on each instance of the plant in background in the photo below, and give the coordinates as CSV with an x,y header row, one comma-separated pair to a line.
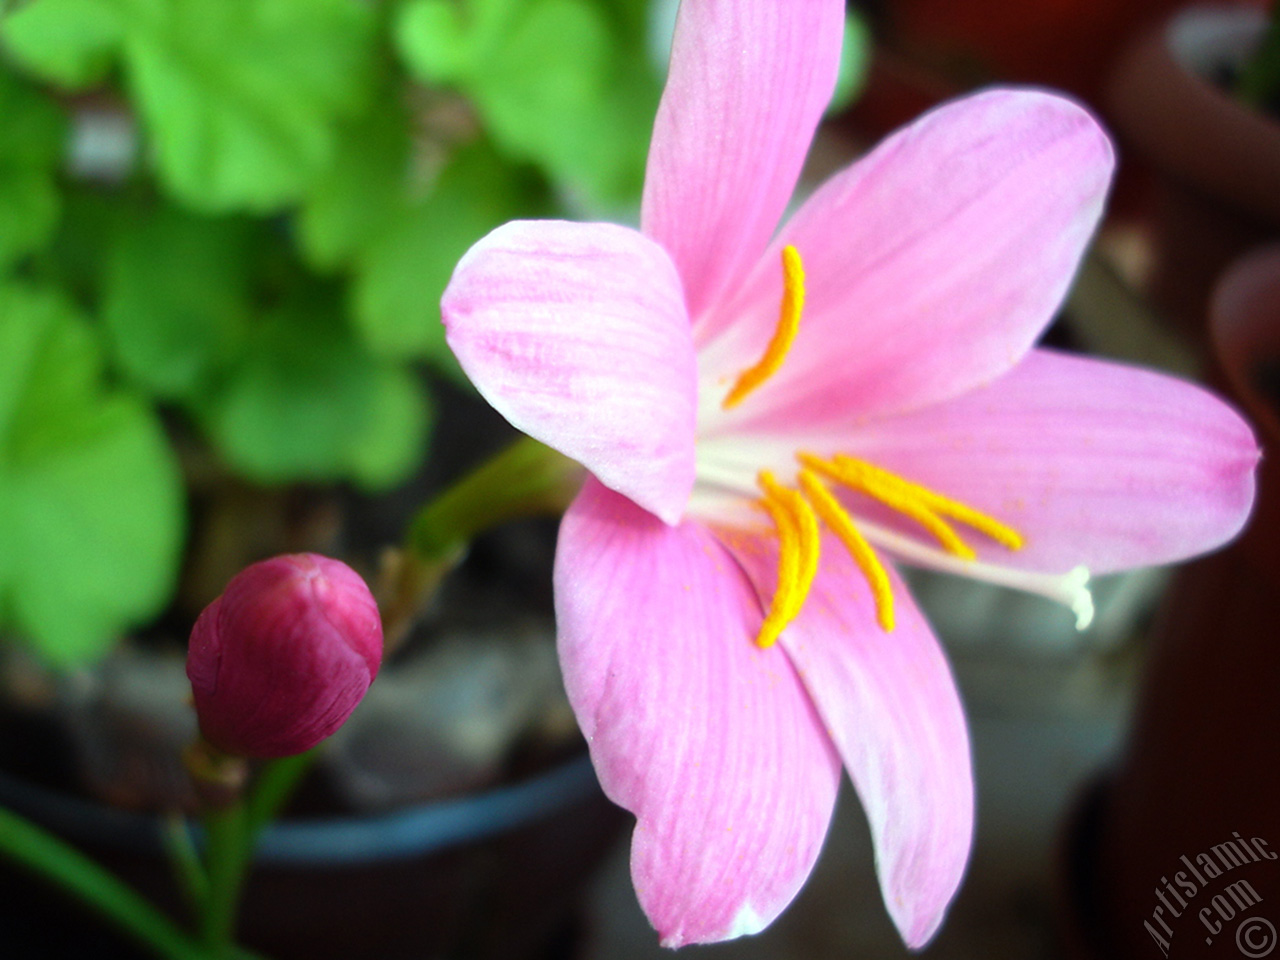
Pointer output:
x,y
224,232
277,664
763,421
767,418
223,226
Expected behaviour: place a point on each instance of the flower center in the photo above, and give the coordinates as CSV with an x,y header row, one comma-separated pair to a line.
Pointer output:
x,y
798,513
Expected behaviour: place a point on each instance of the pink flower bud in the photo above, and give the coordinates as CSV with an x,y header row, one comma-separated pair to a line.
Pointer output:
x,y
279,661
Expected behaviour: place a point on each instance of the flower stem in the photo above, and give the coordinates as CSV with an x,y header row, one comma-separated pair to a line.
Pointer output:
x,y
231,833
526,479
273,789
227,854
184,858
63,865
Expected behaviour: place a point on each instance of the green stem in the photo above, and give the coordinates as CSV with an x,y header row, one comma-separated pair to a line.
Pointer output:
x,y
68,868
185,860
228,851
231,834
527,479
524,480
273,789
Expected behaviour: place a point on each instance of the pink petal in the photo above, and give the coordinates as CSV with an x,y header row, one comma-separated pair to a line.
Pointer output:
x,y
578,335
710,741
1095,463
891,706
933,263
749,81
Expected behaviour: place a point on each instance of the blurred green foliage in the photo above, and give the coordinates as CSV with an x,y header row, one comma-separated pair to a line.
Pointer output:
x,y
32,131
227,225
90,494
574,116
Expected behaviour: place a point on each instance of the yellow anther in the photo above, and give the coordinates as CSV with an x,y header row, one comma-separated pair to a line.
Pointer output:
x,y
798,546
783,335
841,524
890,491
1004,535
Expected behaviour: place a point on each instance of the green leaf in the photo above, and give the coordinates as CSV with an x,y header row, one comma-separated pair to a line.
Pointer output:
x,y
30,204
308,403
240,99
554,84
362,191
546,71
394,439
436,40
59,863
32,134
175,299
88,223
91,503
401,275
71,42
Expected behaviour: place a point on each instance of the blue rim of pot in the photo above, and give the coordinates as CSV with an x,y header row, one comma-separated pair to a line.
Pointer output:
x,y
401,835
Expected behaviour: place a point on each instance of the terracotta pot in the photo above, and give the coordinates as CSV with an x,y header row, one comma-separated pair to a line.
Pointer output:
x,y
1202,765
1216,162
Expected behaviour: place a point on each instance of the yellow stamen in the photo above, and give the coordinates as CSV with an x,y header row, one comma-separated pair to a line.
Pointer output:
x,y
796,515
1004,535
857,476
841,524
783,335
918,502
798,545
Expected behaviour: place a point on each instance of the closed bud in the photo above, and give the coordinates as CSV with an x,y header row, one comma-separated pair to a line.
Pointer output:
x,y
279,661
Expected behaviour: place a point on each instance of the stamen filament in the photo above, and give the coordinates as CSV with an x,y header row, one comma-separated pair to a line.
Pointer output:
x,y
886,488
783,335
1004,535
798,547
841,524
1070,589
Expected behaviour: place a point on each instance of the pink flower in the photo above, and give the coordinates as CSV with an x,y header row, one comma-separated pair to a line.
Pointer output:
x,y
769,419
279,661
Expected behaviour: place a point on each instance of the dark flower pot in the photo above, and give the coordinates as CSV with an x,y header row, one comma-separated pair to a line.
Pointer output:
x,y
1199,775
498,874
1216,163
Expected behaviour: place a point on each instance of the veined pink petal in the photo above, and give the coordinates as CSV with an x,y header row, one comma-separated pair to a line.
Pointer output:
x,y
748,83
577,334
891,706
1095,463
710,741
932,264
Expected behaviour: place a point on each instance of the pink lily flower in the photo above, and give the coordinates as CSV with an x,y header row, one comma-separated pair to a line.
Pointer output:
x,y
768,420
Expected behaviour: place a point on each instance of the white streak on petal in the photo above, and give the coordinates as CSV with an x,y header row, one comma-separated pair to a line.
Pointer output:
x,y
747,923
